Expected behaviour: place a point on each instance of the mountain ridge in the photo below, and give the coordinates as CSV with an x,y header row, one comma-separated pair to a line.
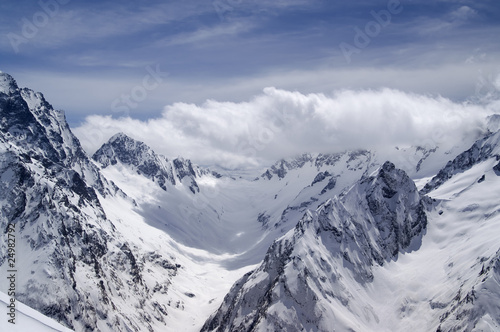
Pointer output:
x,y
52,193
342,238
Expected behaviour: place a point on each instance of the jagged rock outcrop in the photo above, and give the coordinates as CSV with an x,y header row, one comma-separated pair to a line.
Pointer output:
x,y
128,151
123,149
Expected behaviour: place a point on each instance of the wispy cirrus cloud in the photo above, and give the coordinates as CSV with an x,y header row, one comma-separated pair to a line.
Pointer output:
x,y
208,34
98,22
447,23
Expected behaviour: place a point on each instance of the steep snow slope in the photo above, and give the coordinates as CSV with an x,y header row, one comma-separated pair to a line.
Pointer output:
x,y
27,319
201,278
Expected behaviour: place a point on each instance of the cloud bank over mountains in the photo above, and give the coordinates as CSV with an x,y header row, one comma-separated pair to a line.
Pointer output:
x,y
279,123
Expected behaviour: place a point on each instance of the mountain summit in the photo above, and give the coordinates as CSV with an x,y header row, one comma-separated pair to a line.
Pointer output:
x,y
125,150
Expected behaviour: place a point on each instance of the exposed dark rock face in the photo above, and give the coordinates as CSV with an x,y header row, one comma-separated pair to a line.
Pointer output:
x,y
320,177
121,148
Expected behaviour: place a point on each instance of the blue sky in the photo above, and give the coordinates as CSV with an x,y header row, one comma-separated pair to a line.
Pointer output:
x,y
133,58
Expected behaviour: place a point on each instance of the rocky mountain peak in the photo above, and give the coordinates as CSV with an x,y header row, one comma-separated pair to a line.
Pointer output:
x,y
124,149
354,159
31,124
389,181
8,84
140,157
120,136
283,166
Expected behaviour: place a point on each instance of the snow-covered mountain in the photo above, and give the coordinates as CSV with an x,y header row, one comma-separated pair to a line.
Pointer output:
x,y
73,264
306,279
130,240
123,149
382,257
